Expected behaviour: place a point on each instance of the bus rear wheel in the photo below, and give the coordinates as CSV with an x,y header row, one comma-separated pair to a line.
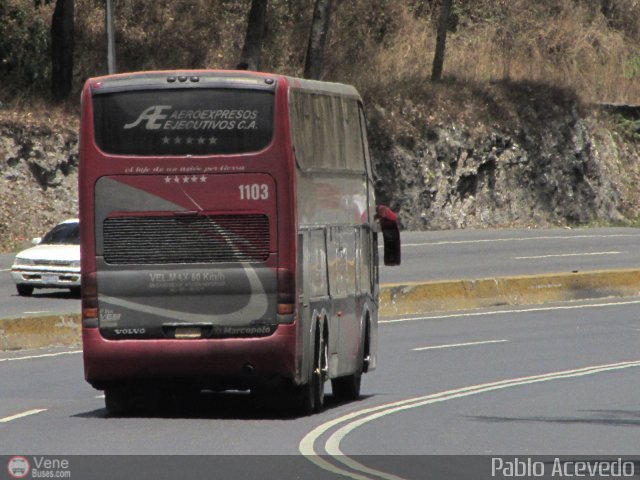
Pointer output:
x,y
347,388
125,399
118,400
312,394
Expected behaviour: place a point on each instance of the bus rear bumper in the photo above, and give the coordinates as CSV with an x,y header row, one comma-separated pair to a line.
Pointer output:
x,y
208,363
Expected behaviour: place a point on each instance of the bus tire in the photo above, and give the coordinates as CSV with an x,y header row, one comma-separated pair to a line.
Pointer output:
x,y
312,394
118,400
122,400
347,388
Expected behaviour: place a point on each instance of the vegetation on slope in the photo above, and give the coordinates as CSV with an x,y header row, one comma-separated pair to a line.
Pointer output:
x,y
511,66
589,46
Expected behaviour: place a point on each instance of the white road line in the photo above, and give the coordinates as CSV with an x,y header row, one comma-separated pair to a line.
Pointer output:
x,y
453,345
45,355
513,239
510,312
358,418
22,415
37,311
5,270
587,254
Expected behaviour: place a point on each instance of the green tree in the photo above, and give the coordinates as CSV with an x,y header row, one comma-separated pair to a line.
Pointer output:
x,y
24,47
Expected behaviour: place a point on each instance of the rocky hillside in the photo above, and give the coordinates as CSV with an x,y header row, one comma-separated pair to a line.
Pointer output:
x,y
38,178
508,155
495,160
509,138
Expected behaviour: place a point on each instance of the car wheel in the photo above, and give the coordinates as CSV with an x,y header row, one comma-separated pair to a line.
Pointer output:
x,y
24,290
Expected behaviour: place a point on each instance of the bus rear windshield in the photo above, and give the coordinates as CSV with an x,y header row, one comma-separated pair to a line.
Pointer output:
x,y
183,122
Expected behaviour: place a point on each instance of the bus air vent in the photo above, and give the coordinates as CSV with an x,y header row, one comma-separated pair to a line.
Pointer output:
x,y
154,240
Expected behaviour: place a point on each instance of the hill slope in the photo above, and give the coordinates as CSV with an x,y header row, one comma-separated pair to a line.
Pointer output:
x,y
507,139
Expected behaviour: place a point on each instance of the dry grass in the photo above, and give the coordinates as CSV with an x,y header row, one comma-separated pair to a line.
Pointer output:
x,y
563,43
592,48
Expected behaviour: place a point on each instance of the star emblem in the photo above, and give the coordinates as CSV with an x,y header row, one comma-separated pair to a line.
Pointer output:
x,y
167,179
177,140
165,140
213,140
203,179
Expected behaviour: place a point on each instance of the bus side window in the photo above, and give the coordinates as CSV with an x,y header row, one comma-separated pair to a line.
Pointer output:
x,y
349,236
317,262
365,143
302,287
364,259
336,261
353,137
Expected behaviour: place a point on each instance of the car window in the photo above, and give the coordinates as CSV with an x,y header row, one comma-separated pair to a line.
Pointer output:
x,y
63,234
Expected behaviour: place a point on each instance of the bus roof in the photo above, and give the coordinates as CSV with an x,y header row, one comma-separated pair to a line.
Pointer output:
x,y
217,78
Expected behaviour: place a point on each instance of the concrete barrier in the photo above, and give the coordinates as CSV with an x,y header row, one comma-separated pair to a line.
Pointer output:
x,y
395,299
420,297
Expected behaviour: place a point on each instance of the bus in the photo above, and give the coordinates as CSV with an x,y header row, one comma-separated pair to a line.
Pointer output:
x,y
229,237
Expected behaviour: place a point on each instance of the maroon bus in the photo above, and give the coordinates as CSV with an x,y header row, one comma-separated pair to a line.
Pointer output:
x,y
228,237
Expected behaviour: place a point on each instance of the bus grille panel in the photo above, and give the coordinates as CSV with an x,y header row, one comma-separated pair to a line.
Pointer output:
x,y
186,239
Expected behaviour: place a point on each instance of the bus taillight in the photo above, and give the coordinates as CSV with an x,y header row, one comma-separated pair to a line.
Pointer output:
x,y
286,295
89,300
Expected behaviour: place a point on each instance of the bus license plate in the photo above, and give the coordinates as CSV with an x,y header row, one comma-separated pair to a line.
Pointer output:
x,y
188,332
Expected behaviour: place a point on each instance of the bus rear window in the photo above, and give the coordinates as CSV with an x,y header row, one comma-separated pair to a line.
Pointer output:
x,y
183,122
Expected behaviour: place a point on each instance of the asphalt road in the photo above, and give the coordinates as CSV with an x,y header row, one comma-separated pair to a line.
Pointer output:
x,y
552,380
456,254
473,254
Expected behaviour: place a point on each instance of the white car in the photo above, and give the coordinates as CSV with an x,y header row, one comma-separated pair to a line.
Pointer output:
x,y
53,263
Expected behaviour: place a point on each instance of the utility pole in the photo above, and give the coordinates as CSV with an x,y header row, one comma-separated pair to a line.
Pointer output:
x,y
111,40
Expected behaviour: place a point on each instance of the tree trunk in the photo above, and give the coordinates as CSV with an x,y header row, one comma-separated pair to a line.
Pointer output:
x,y
319,29
441,40
62,49
250,56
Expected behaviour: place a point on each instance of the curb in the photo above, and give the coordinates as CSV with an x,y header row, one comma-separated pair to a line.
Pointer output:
x,y
419,297
395,299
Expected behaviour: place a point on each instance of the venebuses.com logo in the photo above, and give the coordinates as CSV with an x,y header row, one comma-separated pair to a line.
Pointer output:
x,y
38,467
18,467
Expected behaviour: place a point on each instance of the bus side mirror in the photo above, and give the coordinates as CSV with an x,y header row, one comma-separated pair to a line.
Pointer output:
x,y
390,234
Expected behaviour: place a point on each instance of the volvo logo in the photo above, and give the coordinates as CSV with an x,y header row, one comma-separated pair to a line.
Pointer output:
x,y
130,331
